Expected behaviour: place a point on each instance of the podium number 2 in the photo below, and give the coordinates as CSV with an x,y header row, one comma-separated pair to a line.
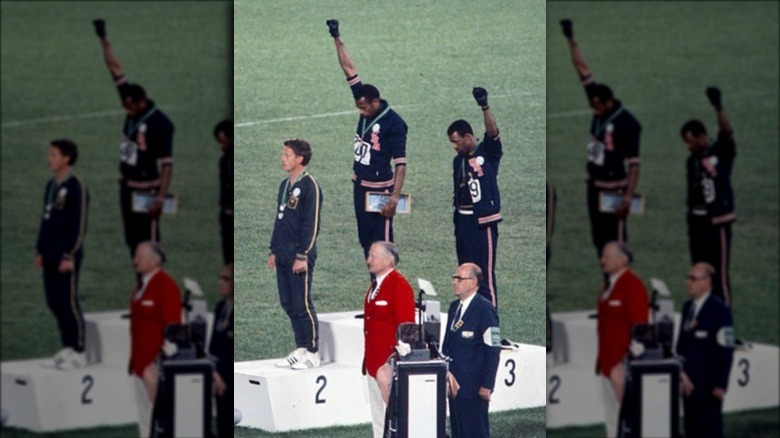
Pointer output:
x,y
88,381
324,381
555,380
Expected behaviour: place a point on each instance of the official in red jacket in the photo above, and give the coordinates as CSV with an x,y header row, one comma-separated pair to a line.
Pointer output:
x,y
389,302
155,303
622,303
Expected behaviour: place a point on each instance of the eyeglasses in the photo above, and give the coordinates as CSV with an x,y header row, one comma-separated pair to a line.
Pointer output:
x,y
225,277
459,278
693,278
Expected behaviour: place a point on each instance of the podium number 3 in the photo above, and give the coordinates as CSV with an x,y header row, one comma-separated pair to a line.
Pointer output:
x,y
745,378
323,381
88,381
510,363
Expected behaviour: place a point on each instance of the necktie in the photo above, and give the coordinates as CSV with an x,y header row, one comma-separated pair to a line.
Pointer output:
x,y
455,320
373,290
689,317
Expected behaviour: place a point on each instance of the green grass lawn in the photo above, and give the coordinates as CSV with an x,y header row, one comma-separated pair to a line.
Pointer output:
x,y
54,84
425,57
658,57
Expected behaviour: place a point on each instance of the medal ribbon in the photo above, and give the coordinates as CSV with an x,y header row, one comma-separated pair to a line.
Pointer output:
x,y
600,126
283,199
133,126
373,122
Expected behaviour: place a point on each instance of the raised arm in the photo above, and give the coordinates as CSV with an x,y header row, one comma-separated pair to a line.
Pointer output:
x,y
344,60
481,96
112,62
580,64
724,126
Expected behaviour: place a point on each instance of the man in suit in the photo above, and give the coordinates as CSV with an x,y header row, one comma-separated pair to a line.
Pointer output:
x,y
472,340
622,304
389,302
155,303
706,341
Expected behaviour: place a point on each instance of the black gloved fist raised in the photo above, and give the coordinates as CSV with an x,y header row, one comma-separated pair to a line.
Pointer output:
x,y
100,27
333,27
566,24
480,94
713,94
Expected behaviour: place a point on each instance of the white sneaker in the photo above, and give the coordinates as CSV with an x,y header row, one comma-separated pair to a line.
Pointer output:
x,y
310,360
73,361
292,358
59,358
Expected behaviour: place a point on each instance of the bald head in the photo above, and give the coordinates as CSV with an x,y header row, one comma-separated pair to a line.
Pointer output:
x,y
382,257
699,279
465,282
615,256
148,257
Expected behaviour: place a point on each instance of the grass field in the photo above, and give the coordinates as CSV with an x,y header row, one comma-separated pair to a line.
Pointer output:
x,y
658,57
54,84
425,57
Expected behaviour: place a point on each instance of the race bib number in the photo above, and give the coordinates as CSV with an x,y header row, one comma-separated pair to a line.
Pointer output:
x,y
128,152
708,189
475,190
595,152
362,151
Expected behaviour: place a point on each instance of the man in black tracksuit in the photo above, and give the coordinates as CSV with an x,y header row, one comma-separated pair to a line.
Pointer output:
x,y
710,198
59,249
147,139
613,143
293,251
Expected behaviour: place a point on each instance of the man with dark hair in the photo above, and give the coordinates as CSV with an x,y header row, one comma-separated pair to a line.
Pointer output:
x,y
223,133
476,200
380,140
293,252
147,138
710,198
59,250
622,303
613,142
472,340
706,342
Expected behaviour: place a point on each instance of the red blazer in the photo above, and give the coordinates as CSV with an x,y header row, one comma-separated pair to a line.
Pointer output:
x,y
392,306
625,306
159,306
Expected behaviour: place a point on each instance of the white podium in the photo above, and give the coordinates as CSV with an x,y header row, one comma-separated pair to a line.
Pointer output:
x,y
40,398
574,394
43,399
280,399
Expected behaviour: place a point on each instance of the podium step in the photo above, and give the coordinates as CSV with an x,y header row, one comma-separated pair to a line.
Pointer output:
x,y
40,398
574,395
282,399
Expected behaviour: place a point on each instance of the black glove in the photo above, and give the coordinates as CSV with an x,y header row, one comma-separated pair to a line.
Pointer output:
x,y
333,27
100,27
713,94
480,94
568,32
